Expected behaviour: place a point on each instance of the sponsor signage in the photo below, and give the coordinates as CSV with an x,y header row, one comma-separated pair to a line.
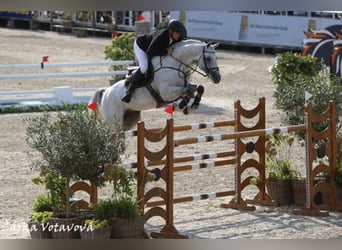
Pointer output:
x,y
251,29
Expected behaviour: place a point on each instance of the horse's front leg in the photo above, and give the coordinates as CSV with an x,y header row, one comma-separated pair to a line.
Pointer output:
x,y
198,96
187,95
194,102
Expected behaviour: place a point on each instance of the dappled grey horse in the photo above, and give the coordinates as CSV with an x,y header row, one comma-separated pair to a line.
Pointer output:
x,y
170,84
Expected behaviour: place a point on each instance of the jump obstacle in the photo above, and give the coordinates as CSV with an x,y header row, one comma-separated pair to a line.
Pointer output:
x,y
166,158
160,202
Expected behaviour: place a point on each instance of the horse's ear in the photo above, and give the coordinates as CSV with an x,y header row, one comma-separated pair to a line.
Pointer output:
x,y
215,45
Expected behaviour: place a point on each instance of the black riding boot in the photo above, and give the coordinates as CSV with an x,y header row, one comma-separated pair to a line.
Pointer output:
x,y
137,80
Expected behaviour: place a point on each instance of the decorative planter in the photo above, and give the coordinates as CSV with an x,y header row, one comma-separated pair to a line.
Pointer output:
x,y
339,193
39,230
127,228
299,191
97,234
326,196
280,191
65,228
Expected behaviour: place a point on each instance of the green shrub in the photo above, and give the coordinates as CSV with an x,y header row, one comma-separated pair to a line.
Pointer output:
x,y
294,75
120,49
126,208
123,208
105,210
43,203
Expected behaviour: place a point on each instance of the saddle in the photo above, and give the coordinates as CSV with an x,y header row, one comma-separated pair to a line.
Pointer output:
x,y
139,81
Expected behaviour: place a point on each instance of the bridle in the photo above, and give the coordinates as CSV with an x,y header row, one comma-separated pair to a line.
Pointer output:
x,y
156,95
194,69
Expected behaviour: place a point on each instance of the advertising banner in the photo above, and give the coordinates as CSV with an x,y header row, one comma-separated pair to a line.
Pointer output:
x,y
251,29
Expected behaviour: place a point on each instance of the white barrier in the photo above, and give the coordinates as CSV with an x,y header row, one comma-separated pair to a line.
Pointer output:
x,y
66,74
54,96
58,65
57,95
61,75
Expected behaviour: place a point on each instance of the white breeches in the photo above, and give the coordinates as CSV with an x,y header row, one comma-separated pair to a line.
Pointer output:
x,y
141,57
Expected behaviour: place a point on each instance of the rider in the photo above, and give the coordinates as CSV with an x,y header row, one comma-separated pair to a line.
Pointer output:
x,y
157,43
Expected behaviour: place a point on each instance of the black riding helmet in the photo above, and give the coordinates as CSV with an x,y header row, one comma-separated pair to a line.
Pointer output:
x,y
178,27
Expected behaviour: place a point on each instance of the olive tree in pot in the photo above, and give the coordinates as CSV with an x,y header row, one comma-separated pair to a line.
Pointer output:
x,y
75,145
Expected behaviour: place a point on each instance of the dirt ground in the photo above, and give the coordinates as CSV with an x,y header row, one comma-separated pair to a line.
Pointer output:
x,y
245,77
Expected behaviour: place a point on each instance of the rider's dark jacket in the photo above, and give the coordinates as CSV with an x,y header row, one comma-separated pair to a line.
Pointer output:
x,y
155,43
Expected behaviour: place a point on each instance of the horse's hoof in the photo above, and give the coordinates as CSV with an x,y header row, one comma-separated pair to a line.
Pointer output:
x,y
183,103
186,111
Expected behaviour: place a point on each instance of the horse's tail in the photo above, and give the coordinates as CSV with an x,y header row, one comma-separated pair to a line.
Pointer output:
x,y
97,97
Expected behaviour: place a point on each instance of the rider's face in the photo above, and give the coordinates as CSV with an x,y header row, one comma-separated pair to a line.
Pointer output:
x,y
175,35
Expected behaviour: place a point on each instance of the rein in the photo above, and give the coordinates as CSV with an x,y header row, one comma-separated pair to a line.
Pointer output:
x,y
190,67
195,69
157,96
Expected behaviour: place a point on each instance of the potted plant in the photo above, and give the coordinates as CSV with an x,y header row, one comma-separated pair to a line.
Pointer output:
x,y
38,225
279,170
96,229
53,199
122,209
75,146
46,204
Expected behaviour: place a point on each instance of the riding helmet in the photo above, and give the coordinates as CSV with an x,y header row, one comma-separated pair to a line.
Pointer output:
x,y
178,27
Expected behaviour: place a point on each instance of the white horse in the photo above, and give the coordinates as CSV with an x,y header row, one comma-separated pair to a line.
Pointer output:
x,y
170,83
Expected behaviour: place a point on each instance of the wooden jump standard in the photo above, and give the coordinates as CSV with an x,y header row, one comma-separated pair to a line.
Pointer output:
x,y
316,143
169,231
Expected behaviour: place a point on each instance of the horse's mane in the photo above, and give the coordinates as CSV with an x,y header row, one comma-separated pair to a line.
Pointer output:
x,y
187,43
183,47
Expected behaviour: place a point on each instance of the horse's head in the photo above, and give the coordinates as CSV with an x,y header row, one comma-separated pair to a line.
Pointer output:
x,y
208,62
202,54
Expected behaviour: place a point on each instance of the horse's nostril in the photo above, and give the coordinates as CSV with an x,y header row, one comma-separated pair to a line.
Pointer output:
x,y
217,78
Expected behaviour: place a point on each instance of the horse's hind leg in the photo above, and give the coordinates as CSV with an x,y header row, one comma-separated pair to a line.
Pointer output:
x,y
130,118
